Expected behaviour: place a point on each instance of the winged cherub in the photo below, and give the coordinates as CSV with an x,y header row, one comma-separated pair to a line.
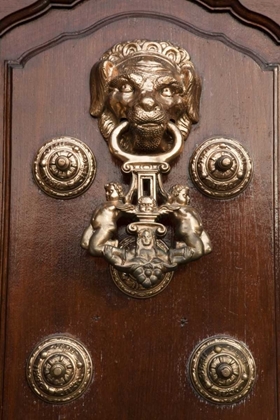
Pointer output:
x,y
103,226
190,235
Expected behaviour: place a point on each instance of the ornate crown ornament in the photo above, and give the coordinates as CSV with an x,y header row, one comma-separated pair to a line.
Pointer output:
x,y
163,49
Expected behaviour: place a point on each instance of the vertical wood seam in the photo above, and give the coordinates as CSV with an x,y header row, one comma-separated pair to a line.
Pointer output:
x,y
276,117
5,219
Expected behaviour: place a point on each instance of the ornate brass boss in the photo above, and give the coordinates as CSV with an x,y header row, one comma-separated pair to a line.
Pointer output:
x,y
64,167
146,96
222,370
221,168
59,369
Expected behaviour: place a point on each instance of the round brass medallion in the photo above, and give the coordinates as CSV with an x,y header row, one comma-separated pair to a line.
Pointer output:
x,y
221,168
128,284
59,369
64,167
222,370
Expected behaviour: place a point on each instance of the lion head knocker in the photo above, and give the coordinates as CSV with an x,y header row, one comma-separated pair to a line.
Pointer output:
x,y
148,84
146,96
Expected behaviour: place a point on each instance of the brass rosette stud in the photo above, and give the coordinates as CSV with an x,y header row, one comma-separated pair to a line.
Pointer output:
x,y
222,370
64,167
221,168
59,369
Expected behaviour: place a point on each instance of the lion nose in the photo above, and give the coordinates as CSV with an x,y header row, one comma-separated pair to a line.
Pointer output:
x,y
148,104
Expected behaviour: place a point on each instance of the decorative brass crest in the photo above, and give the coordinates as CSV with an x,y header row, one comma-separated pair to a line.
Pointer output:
x,y
221,168
59,369
64,167
222,370
146,96
145,281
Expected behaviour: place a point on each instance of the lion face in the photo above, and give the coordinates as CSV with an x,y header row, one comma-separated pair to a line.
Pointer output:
x,y
148,91
148,94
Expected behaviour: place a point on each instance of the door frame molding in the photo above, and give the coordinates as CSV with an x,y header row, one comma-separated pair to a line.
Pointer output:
x,y
233,7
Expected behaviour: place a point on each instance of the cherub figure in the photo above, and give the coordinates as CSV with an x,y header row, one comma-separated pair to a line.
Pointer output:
x,y
144,251
189,231
146,247
103,225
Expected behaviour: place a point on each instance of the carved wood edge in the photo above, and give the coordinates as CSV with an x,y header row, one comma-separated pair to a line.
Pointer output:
x,y
246,16
27,55
5,220
234,7
31,12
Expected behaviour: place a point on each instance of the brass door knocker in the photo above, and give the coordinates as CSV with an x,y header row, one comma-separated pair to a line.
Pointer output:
x,y
146,96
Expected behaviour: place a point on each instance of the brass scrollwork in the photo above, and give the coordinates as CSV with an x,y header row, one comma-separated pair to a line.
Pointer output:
x,y
222,370
59,369
142,281
146,95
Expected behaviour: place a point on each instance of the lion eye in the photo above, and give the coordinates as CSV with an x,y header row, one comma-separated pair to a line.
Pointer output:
x,y
166,91
126,87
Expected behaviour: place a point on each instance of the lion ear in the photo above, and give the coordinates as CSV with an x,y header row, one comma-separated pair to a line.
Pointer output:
x,y
193,91
100,76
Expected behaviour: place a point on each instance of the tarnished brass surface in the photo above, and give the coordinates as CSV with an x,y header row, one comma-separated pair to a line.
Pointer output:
x,y
148,83
146,96
64,167
142,281
221,168
59,369
222,370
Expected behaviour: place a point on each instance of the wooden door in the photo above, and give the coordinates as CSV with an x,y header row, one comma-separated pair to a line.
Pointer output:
x,y
140,348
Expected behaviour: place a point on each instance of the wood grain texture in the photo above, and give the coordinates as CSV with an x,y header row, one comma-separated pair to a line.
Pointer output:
x,y
33,11
140,349
245,15
5,204
9,7
265,7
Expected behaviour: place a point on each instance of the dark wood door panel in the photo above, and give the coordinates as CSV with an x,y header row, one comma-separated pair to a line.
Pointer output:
x,y
140,348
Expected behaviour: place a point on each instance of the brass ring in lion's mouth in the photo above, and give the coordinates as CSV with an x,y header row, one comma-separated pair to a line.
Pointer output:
x,y
127,157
